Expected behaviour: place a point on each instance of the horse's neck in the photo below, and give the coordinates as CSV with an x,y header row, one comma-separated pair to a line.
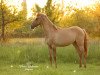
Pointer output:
x,y
48,27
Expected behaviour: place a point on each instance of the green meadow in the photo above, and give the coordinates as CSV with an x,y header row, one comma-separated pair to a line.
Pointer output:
x,y
31,57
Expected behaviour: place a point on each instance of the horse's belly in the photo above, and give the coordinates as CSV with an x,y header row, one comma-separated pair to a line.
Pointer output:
x,y
64,40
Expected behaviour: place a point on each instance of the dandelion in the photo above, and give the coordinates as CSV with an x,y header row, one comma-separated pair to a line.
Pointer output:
x,y
11,66
74,71
47,66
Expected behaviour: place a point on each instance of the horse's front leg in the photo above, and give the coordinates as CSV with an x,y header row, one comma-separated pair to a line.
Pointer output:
x,y
50,53
54,55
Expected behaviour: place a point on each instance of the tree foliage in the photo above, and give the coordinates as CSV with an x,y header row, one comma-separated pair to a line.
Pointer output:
x,y
12,19
7,16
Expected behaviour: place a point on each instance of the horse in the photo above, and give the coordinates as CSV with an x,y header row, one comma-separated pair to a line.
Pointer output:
x,y
56,37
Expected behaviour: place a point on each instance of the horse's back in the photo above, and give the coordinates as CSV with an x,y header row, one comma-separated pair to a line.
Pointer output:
x,y
71,31
74,30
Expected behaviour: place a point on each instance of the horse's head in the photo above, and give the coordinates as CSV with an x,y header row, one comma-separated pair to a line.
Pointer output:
x,y
37,21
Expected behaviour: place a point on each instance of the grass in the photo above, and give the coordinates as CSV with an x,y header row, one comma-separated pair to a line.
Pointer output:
x,y
21,51
63,69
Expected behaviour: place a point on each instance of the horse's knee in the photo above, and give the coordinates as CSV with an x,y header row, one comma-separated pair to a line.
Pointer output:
x,y
81,48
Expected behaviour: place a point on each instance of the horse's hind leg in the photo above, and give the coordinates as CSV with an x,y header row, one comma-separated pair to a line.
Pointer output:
x,y
85,60
81,48
79,53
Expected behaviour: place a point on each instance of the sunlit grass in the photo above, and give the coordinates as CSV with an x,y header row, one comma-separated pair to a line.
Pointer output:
x,y
26,40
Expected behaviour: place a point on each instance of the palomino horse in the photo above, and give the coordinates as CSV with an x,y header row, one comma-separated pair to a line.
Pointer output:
x,y
62,37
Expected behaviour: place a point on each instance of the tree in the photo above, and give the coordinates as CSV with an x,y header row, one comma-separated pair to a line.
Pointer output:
x,y
97,15
11,18
36,9
23,12
48,8
2,20
7,16
53,11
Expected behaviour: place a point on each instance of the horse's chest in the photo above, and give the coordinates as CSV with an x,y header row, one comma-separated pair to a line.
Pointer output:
x,y
49,41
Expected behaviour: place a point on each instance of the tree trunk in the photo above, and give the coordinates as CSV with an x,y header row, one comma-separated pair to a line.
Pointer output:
x,y
3,24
